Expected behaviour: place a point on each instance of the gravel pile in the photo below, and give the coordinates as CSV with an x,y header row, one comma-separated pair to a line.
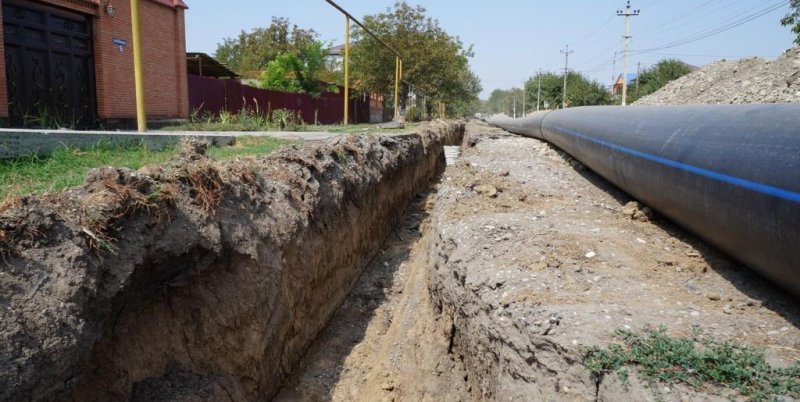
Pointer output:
x,y
753,80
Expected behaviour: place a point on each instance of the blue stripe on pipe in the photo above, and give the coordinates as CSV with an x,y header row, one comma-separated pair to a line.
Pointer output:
x,y
736,181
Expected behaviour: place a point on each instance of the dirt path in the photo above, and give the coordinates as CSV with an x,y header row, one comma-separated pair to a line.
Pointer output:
x,y
386,342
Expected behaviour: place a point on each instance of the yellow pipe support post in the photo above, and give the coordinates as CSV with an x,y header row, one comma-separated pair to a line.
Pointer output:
x,y
138,68
346,70
400,78
396,86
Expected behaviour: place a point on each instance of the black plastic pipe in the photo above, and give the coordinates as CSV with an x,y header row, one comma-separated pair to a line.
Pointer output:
x,y
728,173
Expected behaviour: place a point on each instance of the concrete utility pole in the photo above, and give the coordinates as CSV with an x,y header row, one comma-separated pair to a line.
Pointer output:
x,y
539,91
628,13
614,71
638,73
566,54
514,96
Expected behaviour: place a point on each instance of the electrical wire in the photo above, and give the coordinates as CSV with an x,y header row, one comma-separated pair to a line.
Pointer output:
x,y
708,33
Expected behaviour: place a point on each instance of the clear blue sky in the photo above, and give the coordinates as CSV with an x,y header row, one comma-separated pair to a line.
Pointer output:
x,y
514,38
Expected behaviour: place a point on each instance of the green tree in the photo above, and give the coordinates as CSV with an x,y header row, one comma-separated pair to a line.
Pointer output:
x,y
793,19
497,100
301,72
252,51
654,78
581,91
435,64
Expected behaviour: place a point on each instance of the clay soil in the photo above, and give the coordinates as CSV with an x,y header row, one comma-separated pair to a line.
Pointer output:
x,y
517,261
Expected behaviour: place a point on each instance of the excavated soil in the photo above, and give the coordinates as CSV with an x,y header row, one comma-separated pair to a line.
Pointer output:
x,y
197,280
752,80
518,261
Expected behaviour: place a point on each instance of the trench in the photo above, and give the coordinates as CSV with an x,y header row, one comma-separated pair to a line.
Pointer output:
x,y
215,292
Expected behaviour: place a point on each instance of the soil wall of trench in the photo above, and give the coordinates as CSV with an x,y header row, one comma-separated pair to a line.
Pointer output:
x,y
196,280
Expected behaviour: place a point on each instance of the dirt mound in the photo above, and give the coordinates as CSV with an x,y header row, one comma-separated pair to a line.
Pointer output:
x,y
196,280
752,80
556,259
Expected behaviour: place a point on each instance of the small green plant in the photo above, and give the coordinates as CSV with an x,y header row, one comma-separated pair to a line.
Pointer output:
x,y
226,117
695,361
47,119
285,119
413,115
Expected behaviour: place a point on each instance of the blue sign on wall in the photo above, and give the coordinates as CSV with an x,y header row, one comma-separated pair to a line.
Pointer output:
x,y
120,44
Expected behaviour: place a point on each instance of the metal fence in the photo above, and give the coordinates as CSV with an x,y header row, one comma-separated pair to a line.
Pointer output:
x,y
212,95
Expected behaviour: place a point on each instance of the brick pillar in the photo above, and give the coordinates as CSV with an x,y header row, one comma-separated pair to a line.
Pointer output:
x,y
3,88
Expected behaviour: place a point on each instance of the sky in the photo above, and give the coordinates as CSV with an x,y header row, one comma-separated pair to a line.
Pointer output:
x,y
513,39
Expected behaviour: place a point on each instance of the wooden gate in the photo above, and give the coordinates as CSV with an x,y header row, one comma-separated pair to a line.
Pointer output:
x,y
49,66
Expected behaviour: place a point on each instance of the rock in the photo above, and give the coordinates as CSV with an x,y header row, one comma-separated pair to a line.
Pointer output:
x,y
486,190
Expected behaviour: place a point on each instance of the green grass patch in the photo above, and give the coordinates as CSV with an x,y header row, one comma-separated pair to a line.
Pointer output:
x,y
366,128
695,361
248,145
67,167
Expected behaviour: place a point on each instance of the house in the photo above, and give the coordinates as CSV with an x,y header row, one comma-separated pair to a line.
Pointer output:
x,y
72,61
617,88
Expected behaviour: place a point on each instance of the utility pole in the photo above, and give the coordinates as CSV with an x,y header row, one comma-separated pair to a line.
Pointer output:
x,y
628,13
514,96
539,91
566,72
614,71
638,73
524,86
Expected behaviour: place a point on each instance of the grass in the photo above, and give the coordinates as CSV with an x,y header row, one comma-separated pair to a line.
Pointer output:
x,y
247,145
67,167
276,120
696,361
367,128
245,120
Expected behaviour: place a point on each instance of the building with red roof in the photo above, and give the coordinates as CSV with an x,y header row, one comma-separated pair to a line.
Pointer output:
x,y
71,61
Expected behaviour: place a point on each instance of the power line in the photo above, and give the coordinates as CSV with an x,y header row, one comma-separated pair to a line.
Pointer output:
x,y
708,33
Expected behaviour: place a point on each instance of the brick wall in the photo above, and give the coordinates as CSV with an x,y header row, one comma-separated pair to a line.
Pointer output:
x,y
3,91
164,52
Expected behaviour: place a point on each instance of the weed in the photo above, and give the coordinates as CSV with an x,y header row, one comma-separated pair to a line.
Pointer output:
x,y
45,118
207,187
695,361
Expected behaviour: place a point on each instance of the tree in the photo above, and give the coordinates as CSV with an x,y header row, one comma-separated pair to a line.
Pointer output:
x,y
581,91
302,72
793,19
435,64
252,51
654,78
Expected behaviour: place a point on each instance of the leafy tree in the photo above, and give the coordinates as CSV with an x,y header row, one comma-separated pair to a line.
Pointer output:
x,y
654,78
292,72
793,19
581,91
496,102
435,64
252,51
